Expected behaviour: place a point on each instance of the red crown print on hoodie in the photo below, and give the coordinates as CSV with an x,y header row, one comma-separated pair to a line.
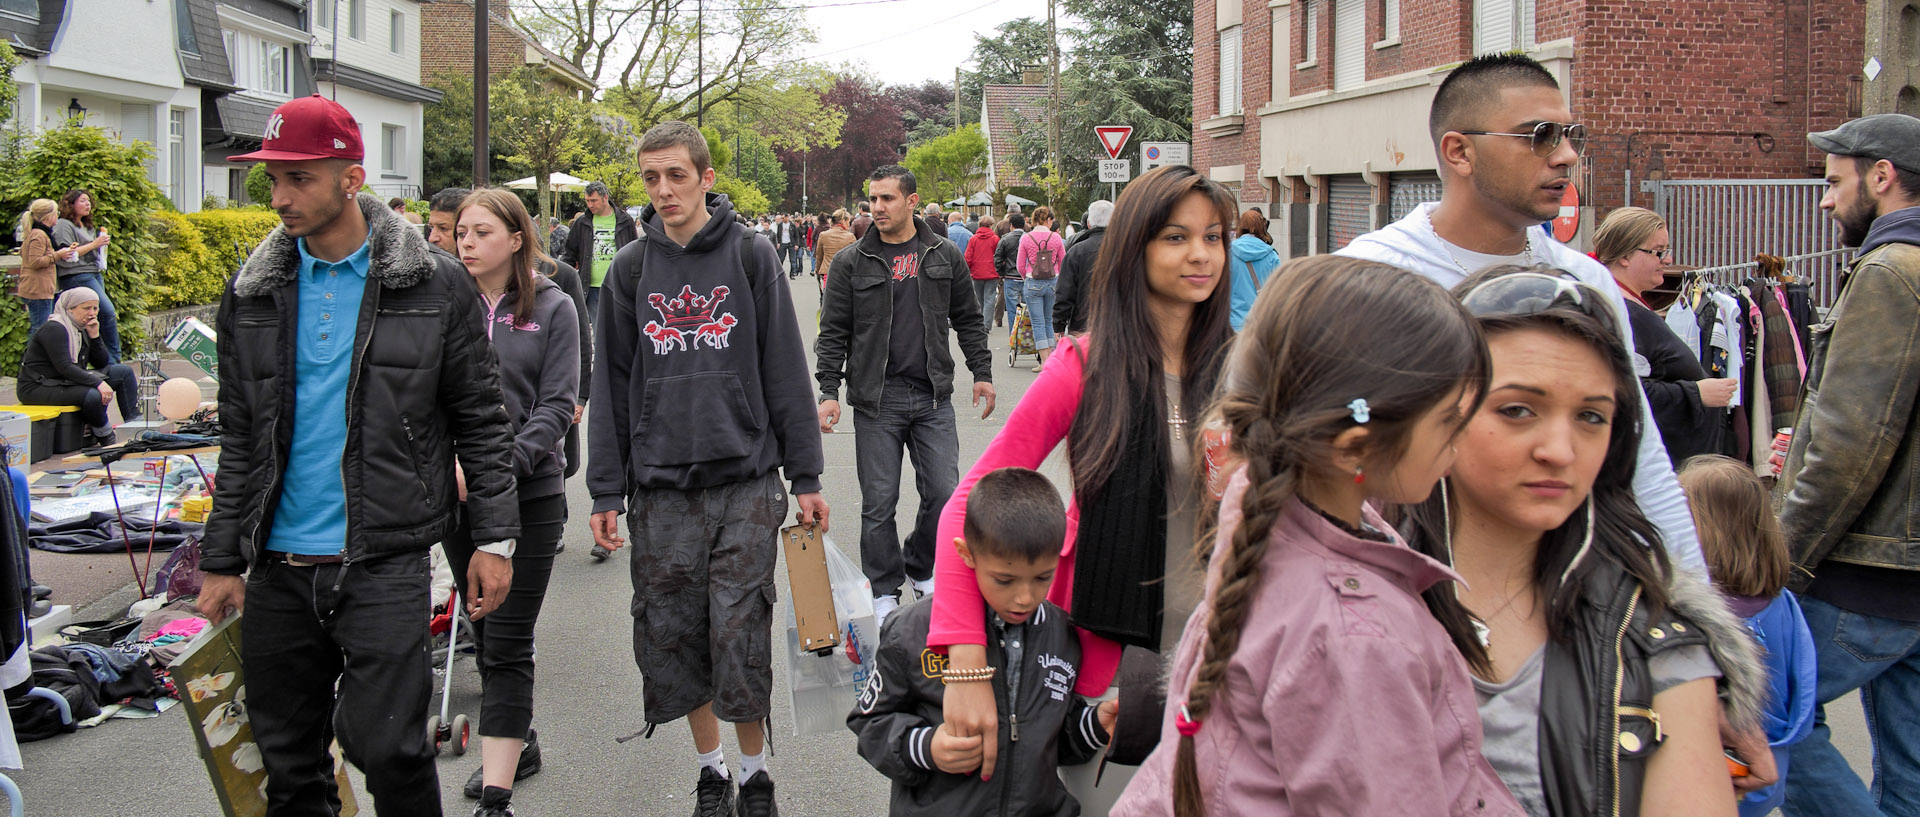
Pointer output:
x,y
689,320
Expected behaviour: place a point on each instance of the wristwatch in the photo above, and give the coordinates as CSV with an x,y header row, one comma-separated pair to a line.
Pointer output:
x,y
503,548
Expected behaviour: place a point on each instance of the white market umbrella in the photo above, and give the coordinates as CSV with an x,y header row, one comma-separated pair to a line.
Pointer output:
x,y
559,182
1013,199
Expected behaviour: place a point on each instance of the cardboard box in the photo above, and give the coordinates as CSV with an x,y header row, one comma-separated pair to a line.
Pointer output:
x,y
196,342
812,591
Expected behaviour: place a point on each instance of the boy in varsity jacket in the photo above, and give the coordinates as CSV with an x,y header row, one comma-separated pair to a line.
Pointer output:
x,y
1014,530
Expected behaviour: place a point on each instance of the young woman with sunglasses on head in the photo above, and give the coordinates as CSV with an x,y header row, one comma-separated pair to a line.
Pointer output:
x,y
1688,406
1593,659
1126,399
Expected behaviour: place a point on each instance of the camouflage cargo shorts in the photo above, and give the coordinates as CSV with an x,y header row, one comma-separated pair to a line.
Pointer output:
x,y
702,568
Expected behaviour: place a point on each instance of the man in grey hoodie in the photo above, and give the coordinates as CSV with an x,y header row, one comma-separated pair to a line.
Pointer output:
x,y
703,397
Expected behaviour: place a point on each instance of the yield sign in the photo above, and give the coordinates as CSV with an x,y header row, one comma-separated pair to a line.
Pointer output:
x,y
1113,138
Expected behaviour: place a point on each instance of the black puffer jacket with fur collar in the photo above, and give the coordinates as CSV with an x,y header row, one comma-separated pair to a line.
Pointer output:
x,y
424,386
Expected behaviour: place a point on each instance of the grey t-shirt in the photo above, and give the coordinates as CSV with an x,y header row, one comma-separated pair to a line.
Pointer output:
x,y
1510,716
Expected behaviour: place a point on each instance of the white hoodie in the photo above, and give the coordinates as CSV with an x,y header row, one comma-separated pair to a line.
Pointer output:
x,y
1411,244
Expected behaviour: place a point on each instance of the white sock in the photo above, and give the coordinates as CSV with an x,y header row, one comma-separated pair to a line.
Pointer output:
x,y
924,587
715,760
752,764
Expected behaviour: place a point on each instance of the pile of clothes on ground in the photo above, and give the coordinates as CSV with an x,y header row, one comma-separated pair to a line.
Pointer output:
x,y
110,670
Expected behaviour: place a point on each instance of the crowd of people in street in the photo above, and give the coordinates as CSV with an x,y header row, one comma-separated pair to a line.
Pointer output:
x,y
1400,529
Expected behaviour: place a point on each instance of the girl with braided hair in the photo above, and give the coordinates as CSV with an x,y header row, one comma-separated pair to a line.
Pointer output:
x,y
1312,679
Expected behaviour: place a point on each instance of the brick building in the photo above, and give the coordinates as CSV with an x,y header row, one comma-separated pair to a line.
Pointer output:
x,y
1315,110
446,47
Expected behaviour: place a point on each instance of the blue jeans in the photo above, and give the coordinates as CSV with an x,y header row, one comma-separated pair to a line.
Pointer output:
x,y
1881,658
989,303
1011,292
109,323
908,417
1039,297
38,310
593,305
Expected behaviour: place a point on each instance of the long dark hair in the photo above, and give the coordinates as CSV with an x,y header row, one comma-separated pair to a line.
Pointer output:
x,y
506,206
1123,374
1621,534
67,211
1326,331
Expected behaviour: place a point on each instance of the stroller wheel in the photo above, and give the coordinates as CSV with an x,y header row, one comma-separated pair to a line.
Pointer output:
x,y
434,733
461,734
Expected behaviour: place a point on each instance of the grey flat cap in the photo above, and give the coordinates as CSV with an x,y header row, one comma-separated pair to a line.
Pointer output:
x,y
1894,137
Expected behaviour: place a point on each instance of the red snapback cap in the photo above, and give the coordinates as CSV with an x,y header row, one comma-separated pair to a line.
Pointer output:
x,y
313,127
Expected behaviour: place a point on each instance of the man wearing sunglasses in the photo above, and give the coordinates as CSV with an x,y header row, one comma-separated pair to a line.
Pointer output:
x,y
1507,147
1848,510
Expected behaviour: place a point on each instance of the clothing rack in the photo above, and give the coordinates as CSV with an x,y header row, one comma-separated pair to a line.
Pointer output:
x,y
1820,271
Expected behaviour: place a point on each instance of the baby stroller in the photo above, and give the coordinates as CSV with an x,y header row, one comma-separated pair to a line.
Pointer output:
x,y
452,635
1020,340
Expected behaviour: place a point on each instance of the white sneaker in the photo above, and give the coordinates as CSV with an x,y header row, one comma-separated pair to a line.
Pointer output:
x,y
923,588
883,607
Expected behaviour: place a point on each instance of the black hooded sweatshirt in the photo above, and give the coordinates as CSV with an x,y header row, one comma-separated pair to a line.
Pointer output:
x,y
699,367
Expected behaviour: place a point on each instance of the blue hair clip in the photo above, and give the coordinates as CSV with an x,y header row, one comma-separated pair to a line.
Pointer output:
x,y
1361,413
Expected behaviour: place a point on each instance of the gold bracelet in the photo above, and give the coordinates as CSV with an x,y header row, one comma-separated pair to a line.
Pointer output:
x,y
961,676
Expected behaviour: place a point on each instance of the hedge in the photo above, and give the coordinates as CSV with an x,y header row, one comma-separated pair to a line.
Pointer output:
x,y
200,251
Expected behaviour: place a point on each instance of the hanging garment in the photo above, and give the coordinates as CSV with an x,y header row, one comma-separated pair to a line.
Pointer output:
x,y
1800,308
1759,404
1726,338
1781,360
1799,345
1685,324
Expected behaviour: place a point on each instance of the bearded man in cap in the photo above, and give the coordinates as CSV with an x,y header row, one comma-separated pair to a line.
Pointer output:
x,y
1848,492
355,367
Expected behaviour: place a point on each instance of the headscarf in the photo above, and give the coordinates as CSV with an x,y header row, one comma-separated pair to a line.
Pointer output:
x,y
76,336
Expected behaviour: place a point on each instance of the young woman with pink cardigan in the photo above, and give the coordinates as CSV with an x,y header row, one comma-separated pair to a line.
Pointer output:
x,y
1126,399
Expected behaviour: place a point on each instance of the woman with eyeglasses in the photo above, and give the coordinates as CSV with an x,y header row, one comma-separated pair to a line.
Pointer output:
x,y
1594,660
1688,407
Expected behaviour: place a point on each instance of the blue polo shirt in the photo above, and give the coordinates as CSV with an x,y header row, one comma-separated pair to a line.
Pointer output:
x,y
311,519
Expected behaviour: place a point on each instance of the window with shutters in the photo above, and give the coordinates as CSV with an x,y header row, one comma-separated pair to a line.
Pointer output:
x,y
1502,25
1349,44
1389,20
1230,71
1310,32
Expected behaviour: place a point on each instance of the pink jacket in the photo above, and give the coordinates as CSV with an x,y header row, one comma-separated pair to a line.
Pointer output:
x,y
1344,697
1038,425
1030,246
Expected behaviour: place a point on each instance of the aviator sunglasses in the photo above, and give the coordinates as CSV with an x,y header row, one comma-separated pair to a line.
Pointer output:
x,y
1546,137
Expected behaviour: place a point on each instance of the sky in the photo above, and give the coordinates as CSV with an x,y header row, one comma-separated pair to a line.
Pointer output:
x,y
907,41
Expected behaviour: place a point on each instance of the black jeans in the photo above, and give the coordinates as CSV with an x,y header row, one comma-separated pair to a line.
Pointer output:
x,y
362,626
505,636
909,417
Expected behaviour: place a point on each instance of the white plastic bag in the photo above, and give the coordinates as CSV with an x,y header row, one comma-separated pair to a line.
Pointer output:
x,y
824,686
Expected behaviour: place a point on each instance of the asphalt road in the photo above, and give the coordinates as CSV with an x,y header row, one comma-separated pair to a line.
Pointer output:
x,y
588,691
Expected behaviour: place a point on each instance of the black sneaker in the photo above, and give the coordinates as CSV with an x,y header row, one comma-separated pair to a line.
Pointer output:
x,y
495,802
529,766
713,795
756,796
599,553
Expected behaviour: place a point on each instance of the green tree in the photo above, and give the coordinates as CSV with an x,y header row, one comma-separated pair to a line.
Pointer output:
x,y
447,146
644,51
999,57
543,130
951,166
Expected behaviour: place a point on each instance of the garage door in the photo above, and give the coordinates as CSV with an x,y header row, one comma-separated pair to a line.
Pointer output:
x,y
1349,199
1406,191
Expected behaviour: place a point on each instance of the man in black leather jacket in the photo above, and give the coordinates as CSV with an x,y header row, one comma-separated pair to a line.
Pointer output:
x,y
354,364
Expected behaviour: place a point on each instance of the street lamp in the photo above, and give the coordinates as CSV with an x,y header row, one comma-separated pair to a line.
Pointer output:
x,y
803,166
74,110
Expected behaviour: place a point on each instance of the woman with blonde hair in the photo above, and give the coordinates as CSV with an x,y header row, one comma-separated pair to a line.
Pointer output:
x,y
1689,407
37,285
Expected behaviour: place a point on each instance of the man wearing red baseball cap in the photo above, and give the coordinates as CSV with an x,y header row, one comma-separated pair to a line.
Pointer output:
x,y
356,367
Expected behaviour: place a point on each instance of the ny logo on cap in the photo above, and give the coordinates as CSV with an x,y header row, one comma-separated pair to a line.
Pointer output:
x,y
273,126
